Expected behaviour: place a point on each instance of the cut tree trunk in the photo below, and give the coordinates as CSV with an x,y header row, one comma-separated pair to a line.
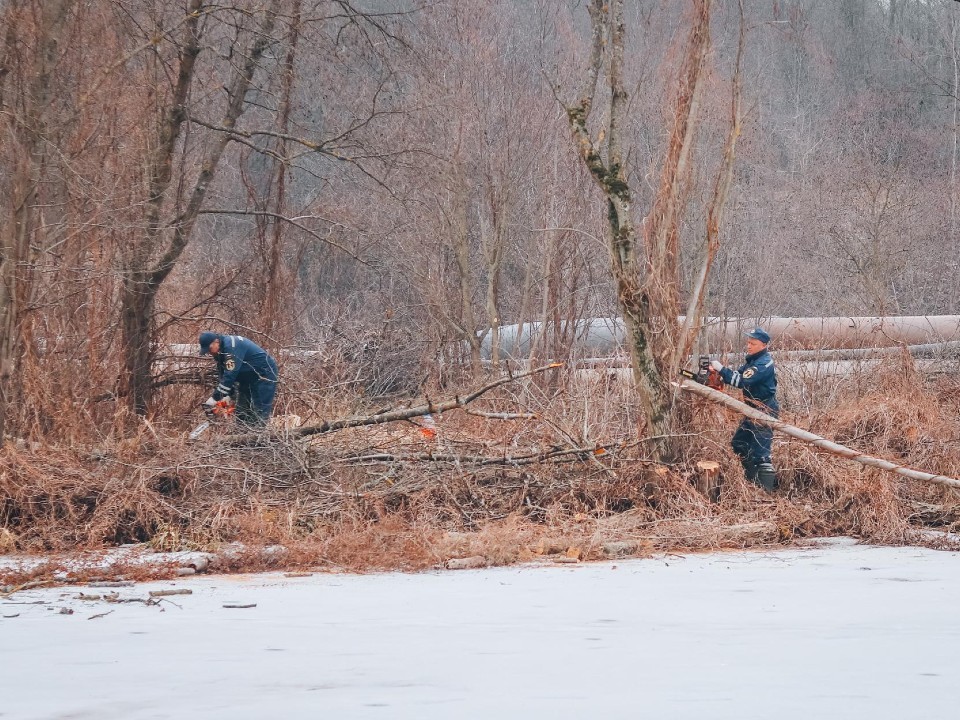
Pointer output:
x,y
708,479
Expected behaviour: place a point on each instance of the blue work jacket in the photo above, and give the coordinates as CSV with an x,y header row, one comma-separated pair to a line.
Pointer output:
x,y
242,361
758,380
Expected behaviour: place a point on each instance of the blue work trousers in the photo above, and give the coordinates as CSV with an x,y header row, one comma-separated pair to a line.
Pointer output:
x,y
752,442
256,393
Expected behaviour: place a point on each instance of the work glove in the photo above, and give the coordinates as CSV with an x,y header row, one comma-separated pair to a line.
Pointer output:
x,y
716,365
210,407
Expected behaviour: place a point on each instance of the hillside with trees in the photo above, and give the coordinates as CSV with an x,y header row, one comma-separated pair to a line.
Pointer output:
x,y
371,189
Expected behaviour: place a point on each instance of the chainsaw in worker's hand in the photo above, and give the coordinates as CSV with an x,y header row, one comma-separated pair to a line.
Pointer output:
x,y
704,374
216,411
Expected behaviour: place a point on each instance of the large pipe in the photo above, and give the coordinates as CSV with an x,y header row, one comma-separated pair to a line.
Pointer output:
x,y
603,337
843,332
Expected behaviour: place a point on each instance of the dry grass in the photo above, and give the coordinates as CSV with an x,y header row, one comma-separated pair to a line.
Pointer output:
x,y
416,510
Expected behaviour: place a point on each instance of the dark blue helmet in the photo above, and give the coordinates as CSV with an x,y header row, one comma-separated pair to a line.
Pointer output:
x,y
205,339
760,334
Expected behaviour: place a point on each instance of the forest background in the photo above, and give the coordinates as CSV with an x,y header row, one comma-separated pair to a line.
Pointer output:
x,y
370,189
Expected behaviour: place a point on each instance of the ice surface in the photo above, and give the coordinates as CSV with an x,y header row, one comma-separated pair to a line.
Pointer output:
x,y
831,631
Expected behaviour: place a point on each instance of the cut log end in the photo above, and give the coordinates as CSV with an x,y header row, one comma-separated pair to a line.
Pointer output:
x,y
708,479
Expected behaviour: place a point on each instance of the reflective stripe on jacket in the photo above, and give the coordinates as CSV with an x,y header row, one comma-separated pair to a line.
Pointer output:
x,y
241,360
758,380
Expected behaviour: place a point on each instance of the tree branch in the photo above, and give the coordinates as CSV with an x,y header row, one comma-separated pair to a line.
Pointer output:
x,y
564,455
237,94
721,190
393,415
291,221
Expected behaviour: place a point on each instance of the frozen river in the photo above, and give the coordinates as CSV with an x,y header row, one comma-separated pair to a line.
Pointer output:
x,y
832,631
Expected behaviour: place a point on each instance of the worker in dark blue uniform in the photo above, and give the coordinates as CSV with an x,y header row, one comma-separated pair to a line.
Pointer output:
x,y
247,373
758,379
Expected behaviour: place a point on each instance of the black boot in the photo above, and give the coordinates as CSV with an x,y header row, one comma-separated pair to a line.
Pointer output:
x,y
767,476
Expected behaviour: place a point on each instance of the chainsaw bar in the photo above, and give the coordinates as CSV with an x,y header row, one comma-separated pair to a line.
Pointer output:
x,y
199,430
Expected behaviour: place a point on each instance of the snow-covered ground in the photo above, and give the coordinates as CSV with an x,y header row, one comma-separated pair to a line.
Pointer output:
x,y
831,631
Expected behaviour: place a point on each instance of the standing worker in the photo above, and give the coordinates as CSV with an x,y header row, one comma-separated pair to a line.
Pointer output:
x,y
757,378
247,373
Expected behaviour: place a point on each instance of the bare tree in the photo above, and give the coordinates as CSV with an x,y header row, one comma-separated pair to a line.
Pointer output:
x,y
26,69
646,275
169,225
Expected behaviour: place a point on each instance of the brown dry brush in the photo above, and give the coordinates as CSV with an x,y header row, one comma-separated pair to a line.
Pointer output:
x,y
573,476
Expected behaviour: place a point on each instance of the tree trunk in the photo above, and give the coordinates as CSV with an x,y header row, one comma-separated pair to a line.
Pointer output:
x,y
276,293
137,323
693,318
647,280
494,246
459,237
144,275
24,122
954,154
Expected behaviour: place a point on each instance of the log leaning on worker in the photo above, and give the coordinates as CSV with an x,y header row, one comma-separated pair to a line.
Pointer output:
x,y
815,440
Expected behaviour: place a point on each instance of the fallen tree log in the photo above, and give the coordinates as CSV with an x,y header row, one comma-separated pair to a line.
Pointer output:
x,y
557,455
391,415
815,440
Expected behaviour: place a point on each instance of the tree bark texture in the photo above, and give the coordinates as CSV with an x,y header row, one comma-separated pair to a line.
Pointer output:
x,y
24,124
648,286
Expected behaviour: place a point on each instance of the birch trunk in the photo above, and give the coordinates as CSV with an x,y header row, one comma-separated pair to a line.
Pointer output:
x,y
647,280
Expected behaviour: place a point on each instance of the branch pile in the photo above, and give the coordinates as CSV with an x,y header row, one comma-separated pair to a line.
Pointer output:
x,y
543,465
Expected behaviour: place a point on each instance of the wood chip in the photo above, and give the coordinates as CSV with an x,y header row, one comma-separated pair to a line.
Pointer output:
x,y
166,593
12,616
620,548
99,615
10,590
240,606
477,561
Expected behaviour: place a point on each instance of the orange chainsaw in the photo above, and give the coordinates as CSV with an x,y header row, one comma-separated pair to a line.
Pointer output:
x,y
705,375
221,410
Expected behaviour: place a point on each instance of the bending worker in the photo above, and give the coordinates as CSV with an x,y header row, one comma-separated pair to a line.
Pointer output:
x,y
247,373
757,378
